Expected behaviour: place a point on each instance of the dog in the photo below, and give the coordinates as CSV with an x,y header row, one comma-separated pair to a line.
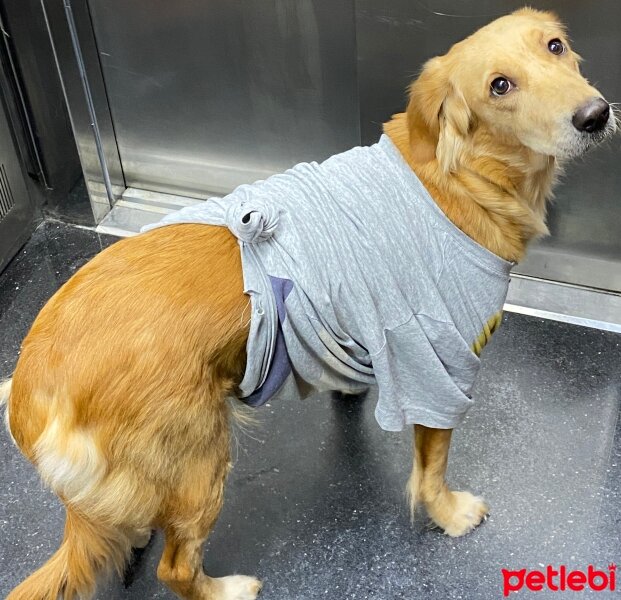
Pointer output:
x,y
121,395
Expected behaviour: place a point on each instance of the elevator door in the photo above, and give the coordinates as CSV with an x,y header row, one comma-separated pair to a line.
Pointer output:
x,y
208,95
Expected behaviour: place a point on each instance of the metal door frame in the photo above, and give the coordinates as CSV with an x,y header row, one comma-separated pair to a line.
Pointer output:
x,y
77,59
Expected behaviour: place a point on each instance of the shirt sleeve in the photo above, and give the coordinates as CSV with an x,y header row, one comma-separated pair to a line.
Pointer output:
x,y
425,372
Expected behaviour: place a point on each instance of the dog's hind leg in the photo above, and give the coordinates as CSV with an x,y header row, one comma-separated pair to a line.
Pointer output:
x,y
455,512
187,519
181,567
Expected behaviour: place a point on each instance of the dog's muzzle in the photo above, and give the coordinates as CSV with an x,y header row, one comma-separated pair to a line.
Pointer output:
x,y
592,117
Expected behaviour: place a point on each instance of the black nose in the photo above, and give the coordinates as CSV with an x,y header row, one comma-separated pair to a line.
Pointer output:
x,y
593,116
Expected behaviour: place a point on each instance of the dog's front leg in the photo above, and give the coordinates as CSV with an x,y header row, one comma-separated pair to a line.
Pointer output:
x,y
455,512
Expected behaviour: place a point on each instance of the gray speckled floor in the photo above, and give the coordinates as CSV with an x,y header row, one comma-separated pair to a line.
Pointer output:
x,y
315,504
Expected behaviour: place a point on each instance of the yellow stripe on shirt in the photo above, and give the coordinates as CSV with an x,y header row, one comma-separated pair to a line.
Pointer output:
x,y
488,329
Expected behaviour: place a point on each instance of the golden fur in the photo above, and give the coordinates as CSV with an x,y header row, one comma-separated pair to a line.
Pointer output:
x,y
119,397
490,163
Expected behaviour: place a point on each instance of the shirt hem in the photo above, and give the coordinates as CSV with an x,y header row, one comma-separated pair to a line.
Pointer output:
x,y
420,416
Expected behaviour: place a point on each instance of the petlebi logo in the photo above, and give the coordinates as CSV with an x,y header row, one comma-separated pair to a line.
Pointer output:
x,y
560,579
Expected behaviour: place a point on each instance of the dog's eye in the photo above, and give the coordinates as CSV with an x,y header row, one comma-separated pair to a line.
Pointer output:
x,y
500,86
556,46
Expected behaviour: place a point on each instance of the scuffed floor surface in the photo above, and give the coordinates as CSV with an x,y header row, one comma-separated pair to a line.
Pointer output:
x,y
315,504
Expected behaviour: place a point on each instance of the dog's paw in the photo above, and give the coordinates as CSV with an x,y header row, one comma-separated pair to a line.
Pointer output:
x,y
467,511
141,537
238,587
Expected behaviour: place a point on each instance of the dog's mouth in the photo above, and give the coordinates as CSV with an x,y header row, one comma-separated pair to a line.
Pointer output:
x,y
578,143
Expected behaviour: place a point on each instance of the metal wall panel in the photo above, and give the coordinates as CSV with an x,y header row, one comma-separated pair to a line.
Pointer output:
x,y
71,33
395,37
207,95
52,158
16,209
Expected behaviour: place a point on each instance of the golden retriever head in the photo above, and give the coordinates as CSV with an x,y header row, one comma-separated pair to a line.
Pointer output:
x,y
517,80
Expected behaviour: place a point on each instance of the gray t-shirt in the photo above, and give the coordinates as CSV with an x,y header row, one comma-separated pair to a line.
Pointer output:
x,y
356,277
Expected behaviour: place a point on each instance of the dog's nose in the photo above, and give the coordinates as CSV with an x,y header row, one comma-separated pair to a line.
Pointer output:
x,y
593,116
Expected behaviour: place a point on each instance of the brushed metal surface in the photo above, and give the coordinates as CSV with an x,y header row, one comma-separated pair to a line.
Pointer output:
x,y
564,302
16,208
138,208
49,154
208,95
395,37
205,96
82,121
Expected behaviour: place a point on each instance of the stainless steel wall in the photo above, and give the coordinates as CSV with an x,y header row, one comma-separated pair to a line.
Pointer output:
x,y
51,158
207,95
17,210
396,36
71,33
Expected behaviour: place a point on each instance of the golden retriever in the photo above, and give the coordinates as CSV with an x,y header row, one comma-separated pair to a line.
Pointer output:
x,y
120,394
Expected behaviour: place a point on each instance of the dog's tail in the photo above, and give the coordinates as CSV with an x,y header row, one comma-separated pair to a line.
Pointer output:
x,y
87,550
5,394
5,391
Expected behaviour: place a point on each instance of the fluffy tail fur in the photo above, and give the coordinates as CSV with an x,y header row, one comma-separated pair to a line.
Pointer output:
x,y
5,391
87,550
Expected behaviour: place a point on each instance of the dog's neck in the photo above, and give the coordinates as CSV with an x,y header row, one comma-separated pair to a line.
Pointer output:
x,y
498,200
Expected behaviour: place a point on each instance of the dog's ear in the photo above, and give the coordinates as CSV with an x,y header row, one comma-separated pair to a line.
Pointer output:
x,y
455,121
438,116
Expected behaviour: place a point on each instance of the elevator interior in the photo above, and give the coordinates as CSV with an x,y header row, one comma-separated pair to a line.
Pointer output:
x,y
174,102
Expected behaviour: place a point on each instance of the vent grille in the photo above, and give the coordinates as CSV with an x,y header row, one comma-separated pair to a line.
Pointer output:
x,y
6,195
